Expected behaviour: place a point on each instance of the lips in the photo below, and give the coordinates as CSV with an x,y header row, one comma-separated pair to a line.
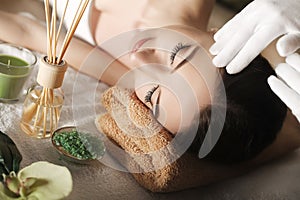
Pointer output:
x,y
140,43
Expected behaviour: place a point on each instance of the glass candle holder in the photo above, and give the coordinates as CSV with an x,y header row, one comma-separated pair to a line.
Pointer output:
x,y
16,64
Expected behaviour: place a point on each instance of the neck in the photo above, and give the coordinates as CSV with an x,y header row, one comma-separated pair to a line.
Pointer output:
x,y
200,13
195,13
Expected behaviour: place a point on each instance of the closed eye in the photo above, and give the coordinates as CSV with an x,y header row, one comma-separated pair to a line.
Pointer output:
x,y
179,46
150,93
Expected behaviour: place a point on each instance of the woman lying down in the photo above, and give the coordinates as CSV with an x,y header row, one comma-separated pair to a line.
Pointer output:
x,y
170,126
184,123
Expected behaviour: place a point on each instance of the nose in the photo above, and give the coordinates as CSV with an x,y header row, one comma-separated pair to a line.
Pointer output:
x,y
143,56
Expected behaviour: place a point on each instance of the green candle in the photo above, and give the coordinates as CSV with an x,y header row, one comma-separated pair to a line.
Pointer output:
x,y
13,74
12,60
16,64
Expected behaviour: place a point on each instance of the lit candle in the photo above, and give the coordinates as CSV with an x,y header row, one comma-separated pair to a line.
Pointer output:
x,y
15,67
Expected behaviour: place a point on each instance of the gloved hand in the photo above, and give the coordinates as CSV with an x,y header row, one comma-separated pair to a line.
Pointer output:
x,y
240,40
288,90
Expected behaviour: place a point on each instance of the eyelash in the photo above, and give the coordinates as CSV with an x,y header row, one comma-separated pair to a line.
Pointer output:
x,y
150,93
176,49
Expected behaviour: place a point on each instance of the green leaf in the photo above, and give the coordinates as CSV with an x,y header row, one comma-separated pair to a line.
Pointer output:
x,y
10,157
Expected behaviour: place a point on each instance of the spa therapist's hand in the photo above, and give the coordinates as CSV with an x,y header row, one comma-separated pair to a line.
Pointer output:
x,y
288,88
244,37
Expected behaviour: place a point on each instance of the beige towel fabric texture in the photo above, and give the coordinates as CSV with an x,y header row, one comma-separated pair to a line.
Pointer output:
x,y
130,125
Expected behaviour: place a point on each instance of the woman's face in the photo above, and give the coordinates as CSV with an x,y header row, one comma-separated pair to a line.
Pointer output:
x,y
174,73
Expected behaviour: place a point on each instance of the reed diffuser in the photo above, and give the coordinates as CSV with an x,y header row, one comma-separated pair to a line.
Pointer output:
x,y
42,106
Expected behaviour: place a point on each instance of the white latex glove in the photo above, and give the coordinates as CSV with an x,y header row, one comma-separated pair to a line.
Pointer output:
x,y
240,40
288,89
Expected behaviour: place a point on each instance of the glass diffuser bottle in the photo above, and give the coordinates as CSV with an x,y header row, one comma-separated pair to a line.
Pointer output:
x,y
42,106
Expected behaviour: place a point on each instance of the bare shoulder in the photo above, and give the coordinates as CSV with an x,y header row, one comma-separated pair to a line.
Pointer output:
x,y
34,7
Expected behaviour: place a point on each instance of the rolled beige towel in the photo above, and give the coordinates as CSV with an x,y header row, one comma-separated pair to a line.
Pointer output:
x,y
131,125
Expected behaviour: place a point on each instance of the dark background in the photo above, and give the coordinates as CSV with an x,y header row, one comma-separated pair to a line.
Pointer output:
x,y
235,5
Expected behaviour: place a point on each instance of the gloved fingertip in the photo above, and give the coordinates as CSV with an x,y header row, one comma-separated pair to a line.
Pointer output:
x,y
272,82
280,68
214,49
282,49
284,53
271,79
217,35
233,69
293,59
216,61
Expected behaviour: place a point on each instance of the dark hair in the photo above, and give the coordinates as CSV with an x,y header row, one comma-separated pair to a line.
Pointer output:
x,y
254,115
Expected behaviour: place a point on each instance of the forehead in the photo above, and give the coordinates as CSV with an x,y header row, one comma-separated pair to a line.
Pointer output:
x,y
166,37
163,37
204,39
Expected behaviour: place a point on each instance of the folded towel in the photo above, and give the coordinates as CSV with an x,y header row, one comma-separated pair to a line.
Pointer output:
x,y
152,160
